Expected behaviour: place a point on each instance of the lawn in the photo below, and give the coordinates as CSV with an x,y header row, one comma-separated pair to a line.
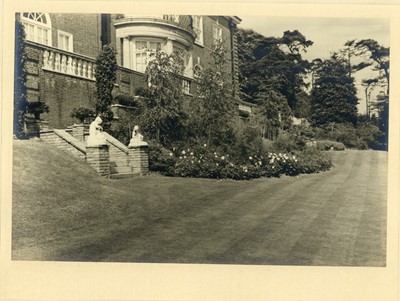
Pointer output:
x,y
63,211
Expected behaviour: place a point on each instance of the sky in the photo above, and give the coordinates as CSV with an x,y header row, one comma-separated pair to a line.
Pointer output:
x,y
328,35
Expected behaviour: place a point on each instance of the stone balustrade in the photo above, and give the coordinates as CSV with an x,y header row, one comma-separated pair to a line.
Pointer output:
x,y
68,63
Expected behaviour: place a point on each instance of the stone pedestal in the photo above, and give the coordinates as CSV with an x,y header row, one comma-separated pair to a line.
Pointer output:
x,y
98,157
139,158
78,131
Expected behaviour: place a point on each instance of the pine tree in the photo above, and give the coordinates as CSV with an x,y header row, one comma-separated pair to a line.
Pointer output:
x,y
334,95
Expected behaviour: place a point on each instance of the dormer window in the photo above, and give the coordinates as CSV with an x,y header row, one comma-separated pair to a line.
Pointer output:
x,y
37,27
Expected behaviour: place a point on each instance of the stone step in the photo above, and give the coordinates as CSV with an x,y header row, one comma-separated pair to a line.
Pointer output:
x,y
123,175
120,169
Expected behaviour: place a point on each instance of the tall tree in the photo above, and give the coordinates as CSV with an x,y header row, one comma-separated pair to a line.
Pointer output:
x,y
162,113
376,56
213,108
334,96
275,62
105,74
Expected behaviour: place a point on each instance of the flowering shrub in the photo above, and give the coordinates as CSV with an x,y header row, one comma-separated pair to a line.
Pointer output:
x,y
205,162
313,161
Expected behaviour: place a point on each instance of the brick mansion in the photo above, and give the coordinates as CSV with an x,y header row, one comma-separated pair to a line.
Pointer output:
x,y
62,50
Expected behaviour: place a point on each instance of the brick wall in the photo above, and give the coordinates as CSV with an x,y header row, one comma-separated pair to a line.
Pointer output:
x,y
86,30
203,52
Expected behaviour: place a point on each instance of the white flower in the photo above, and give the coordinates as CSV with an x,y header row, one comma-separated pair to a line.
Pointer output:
x,y
217,164
205,145
192,162
180,157
184,157
259,162
191,153
171,154
223,158
183,152
251,158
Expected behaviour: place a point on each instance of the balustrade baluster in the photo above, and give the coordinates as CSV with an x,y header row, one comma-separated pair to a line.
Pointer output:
x,y
79,71
64,64
57,62
84,68
45,59
51,60
89,74
69,65
73,69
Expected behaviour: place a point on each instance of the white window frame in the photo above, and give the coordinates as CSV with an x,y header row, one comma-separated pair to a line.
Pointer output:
x,y
148,51
186,86
70,36
37,26
199,29
217,33
187,59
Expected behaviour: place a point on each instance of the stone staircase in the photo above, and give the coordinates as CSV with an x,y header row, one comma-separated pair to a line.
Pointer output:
x,y
122,161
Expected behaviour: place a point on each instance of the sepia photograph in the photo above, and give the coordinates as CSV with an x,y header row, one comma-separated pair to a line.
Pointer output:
x,y
200,141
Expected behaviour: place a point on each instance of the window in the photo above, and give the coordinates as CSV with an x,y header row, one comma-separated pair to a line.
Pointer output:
x,y
217,34
198,29
187,59
143,53
186,86
37,27
65,41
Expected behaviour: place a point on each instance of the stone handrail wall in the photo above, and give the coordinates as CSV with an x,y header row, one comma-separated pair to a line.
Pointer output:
x,y
119,155
115,142
65,141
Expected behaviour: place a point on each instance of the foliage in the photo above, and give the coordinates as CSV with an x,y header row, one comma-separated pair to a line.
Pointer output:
x,y
369,134
212,110
264,65
312,161
162,116
126,100
362,136
377,57
161,160
330,145
122,127
82,113
334,95
207,162
20,102
105,74
248,142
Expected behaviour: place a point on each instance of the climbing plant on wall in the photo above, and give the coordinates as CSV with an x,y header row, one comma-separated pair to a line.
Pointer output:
x,y
105,74
20,102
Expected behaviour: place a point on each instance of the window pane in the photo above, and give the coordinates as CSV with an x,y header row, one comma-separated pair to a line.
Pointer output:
x,y
39,35
45,37
141,45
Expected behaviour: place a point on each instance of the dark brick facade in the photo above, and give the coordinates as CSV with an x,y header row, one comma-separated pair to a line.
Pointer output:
x,y
86,30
